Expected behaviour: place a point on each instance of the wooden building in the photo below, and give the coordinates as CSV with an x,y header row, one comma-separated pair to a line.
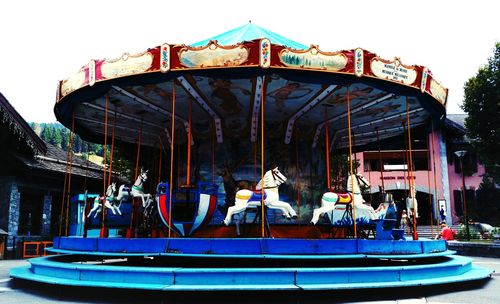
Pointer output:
x,y
32,175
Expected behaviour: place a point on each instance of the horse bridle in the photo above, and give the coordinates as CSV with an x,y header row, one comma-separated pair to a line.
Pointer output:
x,y
360,181
276,178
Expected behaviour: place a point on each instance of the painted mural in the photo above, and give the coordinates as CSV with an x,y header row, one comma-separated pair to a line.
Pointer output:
x,y
126,65
213,56
314,59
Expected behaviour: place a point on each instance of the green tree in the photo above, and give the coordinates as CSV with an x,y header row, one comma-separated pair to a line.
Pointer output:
x,y
482,104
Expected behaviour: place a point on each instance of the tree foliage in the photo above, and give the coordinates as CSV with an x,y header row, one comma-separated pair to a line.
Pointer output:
x,y
482,104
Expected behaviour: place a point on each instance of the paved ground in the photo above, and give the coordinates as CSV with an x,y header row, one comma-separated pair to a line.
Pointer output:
x,y
488,291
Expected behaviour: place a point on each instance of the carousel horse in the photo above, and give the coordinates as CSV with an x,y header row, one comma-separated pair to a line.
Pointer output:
x,y
109,202
267,187
331,201
412,204
136,191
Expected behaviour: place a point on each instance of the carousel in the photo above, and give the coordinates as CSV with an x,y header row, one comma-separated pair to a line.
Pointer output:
x,y
232,141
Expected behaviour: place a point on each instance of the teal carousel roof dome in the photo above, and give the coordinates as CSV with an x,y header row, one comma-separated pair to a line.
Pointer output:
x,y
249,32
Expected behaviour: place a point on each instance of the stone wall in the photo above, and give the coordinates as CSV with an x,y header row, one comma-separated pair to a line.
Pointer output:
x,y
15,205
10,201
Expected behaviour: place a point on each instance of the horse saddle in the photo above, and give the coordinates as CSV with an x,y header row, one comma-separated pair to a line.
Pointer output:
x,y
257,195
344,198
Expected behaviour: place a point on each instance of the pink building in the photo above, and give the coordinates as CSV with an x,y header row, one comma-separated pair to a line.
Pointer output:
x,y
436,170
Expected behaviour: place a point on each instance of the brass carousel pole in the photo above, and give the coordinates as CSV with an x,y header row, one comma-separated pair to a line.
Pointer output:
x,y
171,163
350,159
410,175
68,192
380,163
63,200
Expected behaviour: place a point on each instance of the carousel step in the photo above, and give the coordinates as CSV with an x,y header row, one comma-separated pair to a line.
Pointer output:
x,y
241,246
50,270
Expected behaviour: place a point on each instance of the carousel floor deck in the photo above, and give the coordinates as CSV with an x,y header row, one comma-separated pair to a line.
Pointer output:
x,y
216,264
246,247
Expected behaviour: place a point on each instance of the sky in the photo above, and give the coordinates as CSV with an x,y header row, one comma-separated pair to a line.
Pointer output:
x,y
43,42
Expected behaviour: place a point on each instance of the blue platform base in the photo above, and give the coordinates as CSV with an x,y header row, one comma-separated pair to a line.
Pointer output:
x,y
249,264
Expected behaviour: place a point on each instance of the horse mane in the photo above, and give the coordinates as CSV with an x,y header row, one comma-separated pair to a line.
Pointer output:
x,y
352,181
267,180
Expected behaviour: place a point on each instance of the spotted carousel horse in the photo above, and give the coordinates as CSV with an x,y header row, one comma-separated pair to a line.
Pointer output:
x,y
109,202
335,204
136,190
267,187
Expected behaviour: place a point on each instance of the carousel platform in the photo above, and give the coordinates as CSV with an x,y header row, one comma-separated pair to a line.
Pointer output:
x,y
249,264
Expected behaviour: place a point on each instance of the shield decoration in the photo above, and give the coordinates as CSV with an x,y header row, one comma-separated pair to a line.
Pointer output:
x,y
203,199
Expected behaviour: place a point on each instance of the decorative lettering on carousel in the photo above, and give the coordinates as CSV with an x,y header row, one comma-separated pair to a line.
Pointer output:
x,y
393,71
398,177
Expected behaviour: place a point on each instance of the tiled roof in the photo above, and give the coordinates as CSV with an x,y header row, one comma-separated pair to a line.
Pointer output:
x,y
55,160
19,127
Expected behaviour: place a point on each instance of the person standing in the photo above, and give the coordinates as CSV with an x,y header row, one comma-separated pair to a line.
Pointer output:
x,y
442,215
404,220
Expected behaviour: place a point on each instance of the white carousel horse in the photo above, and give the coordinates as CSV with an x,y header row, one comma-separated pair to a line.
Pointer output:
x,y
334,204
412,204
108,202
136,191
269,188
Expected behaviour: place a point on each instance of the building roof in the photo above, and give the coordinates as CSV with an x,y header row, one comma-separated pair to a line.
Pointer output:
x,y
55,160
458,119
455,123
45,156
19,127
250,32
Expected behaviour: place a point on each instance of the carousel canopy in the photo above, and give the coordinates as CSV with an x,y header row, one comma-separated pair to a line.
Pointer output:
x,y
222,82
249,32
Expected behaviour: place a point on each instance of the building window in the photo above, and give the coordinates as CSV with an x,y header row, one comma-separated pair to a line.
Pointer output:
x,y
469,163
